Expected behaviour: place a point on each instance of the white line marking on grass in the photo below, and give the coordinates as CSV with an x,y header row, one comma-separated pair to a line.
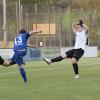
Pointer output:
x,y
8,73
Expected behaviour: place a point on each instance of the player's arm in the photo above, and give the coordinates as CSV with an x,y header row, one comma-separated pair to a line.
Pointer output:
x,y
35,31
74,28
30,45
86,28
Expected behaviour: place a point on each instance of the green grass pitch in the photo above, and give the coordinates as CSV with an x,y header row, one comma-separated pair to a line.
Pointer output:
x,y
52,82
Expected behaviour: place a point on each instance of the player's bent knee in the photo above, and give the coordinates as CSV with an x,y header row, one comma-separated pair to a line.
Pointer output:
x,y
74,60
6,62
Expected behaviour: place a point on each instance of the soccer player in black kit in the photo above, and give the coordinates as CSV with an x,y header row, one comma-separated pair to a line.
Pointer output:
x,y
77,52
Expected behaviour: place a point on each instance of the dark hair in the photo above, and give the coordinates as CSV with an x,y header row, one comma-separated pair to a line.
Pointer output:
x,y
22,31
81,21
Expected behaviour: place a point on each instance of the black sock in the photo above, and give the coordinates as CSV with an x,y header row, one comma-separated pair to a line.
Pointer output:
x,y
75,67
12,63
57,59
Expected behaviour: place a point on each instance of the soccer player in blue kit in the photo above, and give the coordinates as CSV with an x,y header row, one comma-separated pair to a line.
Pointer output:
x,y
20,50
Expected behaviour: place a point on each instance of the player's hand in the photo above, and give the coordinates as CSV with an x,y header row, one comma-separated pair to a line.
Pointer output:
x,y
73,24
37,31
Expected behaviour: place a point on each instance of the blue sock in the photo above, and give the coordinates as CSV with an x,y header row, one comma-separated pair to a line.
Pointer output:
x,y
23,74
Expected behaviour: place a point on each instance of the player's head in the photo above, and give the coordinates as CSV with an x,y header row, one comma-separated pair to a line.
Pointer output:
x,y
79,27
22,31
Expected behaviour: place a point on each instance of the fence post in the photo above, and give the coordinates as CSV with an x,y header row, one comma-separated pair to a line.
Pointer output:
x,y
5,20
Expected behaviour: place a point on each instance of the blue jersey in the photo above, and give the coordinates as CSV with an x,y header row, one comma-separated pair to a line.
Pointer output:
x,y
20,42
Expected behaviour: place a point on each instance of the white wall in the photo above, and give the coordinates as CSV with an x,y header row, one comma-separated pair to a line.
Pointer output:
x,y
6,53
51,53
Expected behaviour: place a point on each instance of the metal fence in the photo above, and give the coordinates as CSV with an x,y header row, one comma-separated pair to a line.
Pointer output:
x,y
25,17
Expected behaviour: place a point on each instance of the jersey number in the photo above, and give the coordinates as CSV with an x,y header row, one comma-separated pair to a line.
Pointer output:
x,y
19,41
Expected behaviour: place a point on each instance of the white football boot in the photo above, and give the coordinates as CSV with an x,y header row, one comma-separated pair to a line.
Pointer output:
x,y
48,61
77,76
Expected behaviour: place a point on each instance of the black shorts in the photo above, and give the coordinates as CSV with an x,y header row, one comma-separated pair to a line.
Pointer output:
x,y
1,60
75,53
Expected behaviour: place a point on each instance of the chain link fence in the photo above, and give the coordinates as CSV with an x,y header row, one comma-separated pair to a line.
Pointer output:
x,y
62,18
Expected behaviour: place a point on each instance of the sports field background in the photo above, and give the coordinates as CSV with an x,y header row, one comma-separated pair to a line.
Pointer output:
x,y
52,82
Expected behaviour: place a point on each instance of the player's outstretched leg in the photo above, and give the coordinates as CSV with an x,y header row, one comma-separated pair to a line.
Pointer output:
x,y
49,61
23,74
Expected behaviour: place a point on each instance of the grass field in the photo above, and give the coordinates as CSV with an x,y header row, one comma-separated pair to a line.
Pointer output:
x,y
53,82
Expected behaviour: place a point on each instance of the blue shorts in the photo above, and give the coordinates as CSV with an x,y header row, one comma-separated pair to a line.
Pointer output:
x,y
18,57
